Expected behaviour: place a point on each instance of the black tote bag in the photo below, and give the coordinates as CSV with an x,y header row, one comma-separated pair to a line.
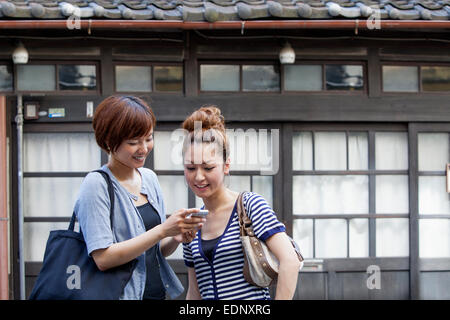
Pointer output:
x,y
69,273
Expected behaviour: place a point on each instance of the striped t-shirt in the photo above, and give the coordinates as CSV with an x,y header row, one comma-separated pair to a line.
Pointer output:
x,y
223,278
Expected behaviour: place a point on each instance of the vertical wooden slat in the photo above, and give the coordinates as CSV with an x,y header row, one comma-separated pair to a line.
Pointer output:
x,y
372,196
414,272
3,205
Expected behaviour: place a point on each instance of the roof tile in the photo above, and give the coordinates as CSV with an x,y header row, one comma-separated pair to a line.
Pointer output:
x,y
225,10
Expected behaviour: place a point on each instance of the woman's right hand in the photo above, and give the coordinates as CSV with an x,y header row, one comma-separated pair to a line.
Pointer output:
x,y
178,222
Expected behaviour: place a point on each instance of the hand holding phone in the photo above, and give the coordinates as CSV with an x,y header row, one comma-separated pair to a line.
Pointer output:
x,y
200,214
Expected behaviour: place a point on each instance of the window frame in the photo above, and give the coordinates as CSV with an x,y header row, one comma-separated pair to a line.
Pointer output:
x,y
281,70
12,68
240,64
58,91
419,66
56,128
324,91
152,73
371,172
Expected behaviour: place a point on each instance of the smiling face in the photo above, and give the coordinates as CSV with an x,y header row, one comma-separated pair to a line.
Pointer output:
x,y
204,169
133,152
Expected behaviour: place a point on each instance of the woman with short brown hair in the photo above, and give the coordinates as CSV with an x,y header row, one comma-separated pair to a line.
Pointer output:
x,y
123,127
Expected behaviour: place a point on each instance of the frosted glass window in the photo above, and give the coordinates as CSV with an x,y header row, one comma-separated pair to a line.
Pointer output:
x,y
391,151
36,236
433,196
263,185
433,151
434,238
167,151
392,194
330,151
6,78
219,77
238,183
435,78
331,238
358,151
36,78
359,238
77,77
303,77
331,194
133,79
344,77
61,152
50,197
400,79
260,78
302,154
168,78
392,237
175,192
303,234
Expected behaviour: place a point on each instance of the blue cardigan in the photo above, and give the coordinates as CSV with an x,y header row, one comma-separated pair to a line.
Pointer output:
x,y
92,209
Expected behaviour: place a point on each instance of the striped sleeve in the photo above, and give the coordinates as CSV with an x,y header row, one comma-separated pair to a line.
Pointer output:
x,y
264,220
187,256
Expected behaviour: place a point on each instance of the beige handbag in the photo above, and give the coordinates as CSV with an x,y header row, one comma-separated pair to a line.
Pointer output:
x,y
260,265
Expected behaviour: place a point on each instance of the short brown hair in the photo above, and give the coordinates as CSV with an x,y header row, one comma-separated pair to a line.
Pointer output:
x,y
118,118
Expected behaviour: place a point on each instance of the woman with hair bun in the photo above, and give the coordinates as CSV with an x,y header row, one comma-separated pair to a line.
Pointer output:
x,y
123,127
215,257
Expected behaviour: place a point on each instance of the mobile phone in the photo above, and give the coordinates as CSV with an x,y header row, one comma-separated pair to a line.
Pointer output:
x,y
201,214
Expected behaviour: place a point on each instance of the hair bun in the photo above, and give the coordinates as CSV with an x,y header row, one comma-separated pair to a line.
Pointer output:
x,y
210,117
212,128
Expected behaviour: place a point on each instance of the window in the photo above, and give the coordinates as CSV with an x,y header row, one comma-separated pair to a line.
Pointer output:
x,y
260,78
314,77
323,77
52,176
416,78
168,78
344,77
336,210
6,78
36,78
400,79
57,77
148,78
133,78
219,77
434,208
239,77
303,78
77,77
435,78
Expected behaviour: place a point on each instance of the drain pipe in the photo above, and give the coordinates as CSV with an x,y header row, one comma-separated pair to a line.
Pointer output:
x,y
4,257
19,122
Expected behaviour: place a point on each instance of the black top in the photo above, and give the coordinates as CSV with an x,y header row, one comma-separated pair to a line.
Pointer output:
x,y
208,247
154,287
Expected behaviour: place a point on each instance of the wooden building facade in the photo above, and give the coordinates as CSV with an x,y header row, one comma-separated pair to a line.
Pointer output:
x,y
359,124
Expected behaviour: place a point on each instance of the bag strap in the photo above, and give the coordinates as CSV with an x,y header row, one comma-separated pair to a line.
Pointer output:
x,y
246,229
111,198
245,223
